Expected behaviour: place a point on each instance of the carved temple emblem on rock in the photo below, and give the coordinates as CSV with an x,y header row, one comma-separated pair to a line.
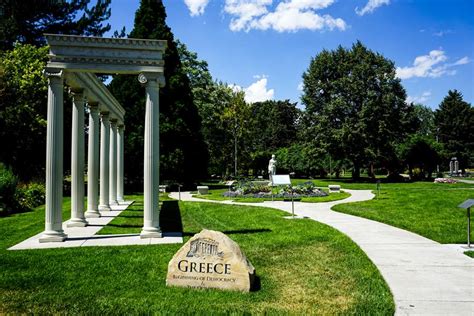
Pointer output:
x,y
203,247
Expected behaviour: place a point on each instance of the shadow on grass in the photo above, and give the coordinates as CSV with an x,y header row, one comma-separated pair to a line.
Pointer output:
x,y
170,217
132,216
7,213
240,231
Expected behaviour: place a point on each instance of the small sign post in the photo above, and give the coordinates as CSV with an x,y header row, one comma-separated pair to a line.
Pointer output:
x,y
284,179
467,205
229,184
179,191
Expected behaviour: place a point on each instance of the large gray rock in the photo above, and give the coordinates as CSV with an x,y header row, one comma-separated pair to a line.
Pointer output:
x,y
211,260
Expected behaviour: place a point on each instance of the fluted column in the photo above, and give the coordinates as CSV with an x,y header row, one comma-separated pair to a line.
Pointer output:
x,y
54,159
77,161
120,144
113,163
93,163
104,162
151,221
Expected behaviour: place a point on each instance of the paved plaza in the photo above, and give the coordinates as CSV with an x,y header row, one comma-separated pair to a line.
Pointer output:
x,y
87,236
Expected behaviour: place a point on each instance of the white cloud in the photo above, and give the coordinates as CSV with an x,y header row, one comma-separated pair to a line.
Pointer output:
x,y
371,6
257,91
196,7
425,96
442,33
244,11
288,16
432,65
462,61
300,86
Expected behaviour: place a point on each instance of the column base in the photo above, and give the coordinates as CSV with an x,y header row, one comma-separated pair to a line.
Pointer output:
x,y
92,214
151,232
113,203
52,236
77,222
104,208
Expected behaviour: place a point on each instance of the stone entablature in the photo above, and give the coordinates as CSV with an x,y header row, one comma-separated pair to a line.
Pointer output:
x,y
105,55
96,92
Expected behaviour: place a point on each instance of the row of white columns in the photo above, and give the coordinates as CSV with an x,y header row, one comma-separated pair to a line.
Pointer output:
x,y
109,156
109,173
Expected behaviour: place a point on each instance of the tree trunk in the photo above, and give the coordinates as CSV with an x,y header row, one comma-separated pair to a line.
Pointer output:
x,y
356,171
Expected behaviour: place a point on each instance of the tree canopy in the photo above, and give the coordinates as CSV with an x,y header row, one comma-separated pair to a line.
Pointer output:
x,y
183,154
26,21
454,121
355,106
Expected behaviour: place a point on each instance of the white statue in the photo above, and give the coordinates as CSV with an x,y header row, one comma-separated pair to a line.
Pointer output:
x,y
272,167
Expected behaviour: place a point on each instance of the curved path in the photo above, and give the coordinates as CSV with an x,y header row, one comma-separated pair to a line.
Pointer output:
x,y
425,277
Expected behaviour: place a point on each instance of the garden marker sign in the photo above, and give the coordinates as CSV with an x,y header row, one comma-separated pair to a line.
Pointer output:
x,y
211,260
467,205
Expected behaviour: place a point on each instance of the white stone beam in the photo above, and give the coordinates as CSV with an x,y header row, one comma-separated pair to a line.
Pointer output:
x,y
54,159
77,160
105,55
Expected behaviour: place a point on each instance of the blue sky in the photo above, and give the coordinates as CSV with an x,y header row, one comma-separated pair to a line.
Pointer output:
x,y
264,46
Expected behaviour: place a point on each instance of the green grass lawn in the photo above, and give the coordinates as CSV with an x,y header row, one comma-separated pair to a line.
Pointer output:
x,y
470,253
304,268
216,195
428,209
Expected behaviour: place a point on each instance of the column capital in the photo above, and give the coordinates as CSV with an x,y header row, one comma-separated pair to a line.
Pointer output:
x,y
113,121
93,106
121,126
76,91
147,77
104,115
53,73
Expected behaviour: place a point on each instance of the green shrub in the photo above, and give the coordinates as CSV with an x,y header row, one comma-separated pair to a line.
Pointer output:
x,y
8,183
30,195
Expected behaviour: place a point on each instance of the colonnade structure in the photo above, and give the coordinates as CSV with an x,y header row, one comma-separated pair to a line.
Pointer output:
x,y
74,61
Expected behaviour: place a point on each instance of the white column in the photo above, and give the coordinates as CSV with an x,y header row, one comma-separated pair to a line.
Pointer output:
x,y
151,220
93,163
54,159
77,161
120,147
104,162
113,163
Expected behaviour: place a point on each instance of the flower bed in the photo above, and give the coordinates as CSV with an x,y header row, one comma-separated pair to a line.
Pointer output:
x,y
251,190
444,180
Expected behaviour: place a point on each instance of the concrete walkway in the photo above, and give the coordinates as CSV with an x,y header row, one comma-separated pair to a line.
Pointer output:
x,y
87,236
425,277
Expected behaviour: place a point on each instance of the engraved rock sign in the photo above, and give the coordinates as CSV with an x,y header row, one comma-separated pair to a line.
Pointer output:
x,y
211,260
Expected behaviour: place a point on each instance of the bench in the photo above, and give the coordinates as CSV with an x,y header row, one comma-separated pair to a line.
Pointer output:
x,y
203,189
334,188
162,188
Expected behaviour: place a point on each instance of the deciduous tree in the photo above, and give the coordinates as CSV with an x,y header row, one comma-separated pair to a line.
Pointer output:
x,y
355,106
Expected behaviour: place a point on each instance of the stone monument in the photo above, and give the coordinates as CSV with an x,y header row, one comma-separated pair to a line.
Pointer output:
x,y
272,167
211,260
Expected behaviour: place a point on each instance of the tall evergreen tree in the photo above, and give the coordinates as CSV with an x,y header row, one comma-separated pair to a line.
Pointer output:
x,y
455,128
183,154
26,21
